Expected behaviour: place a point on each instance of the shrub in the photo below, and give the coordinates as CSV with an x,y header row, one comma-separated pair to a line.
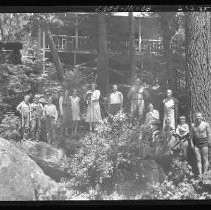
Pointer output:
x,y
9,127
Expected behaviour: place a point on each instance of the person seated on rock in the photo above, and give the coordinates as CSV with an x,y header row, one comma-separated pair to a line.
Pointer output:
x,y
51,115
24,109
152,120
183,133
36,113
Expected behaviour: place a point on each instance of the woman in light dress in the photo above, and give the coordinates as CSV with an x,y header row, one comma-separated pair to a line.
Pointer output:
x,y
170,109
75,100
93,114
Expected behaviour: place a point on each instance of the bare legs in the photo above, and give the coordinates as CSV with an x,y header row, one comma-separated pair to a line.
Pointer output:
x,y
75,127
91,126
202,157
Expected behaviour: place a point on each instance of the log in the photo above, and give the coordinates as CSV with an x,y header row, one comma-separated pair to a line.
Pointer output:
x,y
56,59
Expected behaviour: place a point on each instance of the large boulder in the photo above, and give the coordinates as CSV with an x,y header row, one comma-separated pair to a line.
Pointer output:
x,y
52,160
20,176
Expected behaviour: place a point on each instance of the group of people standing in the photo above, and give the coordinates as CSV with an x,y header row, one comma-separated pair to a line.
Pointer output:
x,y
39,114
196,136
34,115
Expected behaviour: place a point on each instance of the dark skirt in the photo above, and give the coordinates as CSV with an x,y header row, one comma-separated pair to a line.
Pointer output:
x,y
67,115
115,108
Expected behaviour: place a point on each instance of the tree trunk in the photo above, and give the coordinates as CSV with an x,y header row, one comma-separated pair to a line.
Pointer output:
x,y
198,61
165,17
2,32
132,46
103,76
56,59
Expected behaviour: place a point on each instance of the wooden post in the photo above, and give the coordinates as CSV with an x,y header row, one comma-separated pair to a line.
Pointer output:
x,y
43,47
74,64
132,46
40,37
56,59
76,39
139,34
103,60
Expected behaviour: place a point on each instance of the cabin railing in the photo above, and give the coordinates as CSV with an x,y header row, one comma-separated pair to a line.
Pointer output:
x,y
67,43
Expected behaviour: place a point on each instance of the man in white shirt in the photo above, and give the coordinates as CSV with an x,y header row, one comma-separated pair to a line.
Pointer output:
x,y
136,97
51,115
24,109
36,110
152,120
152,117
115,101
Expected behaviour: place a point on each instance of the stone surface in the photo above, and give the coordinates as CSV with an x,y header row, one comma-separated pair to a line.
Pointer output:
x,y
20,176
52,160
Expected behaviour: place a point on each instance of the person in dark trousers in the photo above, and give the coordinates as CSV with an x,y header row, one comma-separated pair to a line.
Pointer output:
x,y
36,110
65,112
51,116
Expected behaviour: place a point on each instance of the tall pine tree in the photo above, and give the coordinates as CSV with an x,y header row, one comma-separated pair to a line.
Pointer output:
x,y
198,63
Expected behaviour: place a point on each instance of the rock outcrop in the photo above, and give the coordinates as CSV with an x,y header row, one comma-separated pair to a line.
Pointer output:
x,y
20,176
52,160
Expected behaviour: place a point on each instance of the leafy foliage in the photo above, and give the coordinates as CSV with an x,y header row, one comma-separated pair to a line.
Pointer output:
x,y
13,26
9,127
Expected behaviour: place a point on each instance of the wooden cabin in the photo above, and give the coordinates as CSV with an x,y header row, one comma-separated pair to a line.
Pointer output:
x,y
77,40
10,52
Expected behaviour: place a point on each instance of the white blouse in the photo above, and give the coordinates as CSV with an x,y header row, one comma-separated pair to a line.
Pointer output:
x,y
116,98
51,111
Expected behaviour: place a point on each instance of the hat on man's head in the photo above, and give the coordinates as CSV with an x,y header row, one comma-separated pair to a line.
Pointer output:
x,y
43,100
36,96
182,117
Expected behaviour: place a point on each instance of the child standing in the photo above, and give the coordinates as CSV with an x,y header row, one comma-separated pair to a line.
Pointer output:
x,y
75,100
169,132
182,132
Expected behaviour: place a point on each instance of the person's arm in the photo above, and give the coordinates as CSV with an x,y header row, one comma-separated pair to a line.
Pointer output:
x,y
177,131
208,134
55,113
191,137
44,111
42,108
121,99
109,103
30,111
18,108
60,105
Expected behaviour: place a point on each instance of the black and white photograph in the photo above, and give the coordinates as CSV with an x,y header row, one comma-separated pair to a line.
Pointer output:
x,y
106,103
